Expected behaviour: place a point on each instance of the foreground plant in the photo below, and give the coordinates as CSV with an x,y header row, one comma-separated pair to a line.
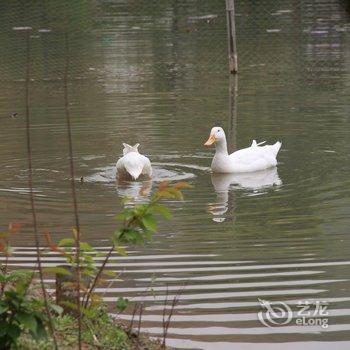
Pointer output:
x,y
22,314
138,225
22,308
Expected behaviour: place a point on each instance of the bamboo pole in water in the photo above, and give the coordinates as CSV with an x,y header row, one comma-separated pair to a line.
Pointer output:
x,y
232,132
231,36
232,124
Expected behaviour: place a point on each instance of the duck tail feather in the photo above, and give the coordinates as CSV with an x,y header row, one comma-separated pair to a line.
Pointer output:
x,y
134,167
276,147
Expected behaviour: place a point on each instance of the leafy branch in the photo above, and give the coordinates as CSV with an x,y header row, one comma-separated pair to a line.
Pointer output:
x,y
138,225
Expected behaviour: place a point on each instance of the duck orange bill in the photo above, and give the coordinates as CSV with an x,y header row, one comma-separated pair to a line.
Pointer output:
x,y
210,140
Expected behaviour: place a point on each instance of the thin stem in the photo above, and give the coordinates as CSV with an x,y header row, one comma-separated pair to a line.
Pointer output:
x,y
139,324
5,266
105,261
31,192
132,318
72,175
164,312
98,275
166,323
6,255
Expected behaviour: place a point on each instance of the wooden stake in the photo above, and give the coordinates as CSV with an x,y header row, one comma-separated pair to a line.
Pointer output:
x,y
232,132
232,124
231,36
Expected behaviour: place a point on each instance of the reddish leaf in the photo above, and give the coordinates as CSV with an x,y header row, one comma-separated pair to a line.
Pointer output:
x,y
142,191
53,247
14,227
56,248
181,185
48,238
163,185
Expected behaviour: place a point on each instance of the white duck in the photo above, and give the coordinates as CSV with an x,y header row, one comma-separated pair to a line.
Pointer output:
x,y
253,158
133,164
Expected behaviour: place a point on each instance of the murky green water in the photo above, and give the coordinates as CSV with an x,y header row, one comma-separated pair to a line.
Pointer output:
x,y
146,72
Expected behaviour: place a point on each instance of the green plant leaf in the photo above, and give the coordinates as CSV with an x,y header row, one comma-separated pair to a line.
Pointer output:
x,y
3,307
150,223
164,211
3,278
118,233
85,247
56,308
176,193
66,242
88,259
88,272
3,327
89,312
28,321
125,215
121,250
14,332
70,305
75,233
122,304
41,331
131,236
109,273
100,255
148,234
58,270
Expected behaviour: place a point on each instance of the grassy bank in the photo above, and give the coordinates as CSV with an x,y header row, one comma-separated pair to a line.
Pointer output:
x,y
99,332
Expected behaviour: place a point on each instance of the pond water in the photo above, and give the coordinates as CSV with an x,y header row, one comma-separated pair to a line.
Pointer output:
x,y
156,73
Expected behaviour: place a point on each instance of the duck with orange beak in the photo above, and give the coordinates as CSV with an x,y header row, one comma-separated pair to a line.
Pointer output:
x,y
253,158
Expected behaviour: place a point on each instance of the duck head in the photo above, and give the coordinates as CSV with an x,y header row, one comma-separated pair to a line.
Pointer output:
x,y
217,134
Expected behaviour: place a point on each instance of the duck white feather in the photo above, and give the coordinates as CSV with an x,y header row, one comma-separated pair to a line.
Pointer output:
x,y
133,164
253,158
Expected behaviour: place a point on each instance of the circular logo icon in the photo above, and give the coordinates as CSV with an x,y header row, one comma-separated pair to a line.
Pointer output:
x,y
274,313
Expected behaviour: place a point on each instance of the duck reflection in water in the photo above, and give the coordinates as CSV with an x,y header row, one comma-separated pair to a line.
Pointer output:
x,y
134,191
223,208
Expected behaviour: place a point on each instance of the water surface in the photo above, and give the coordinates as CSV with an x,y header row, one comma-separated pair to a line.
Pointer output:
x,y
149,72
